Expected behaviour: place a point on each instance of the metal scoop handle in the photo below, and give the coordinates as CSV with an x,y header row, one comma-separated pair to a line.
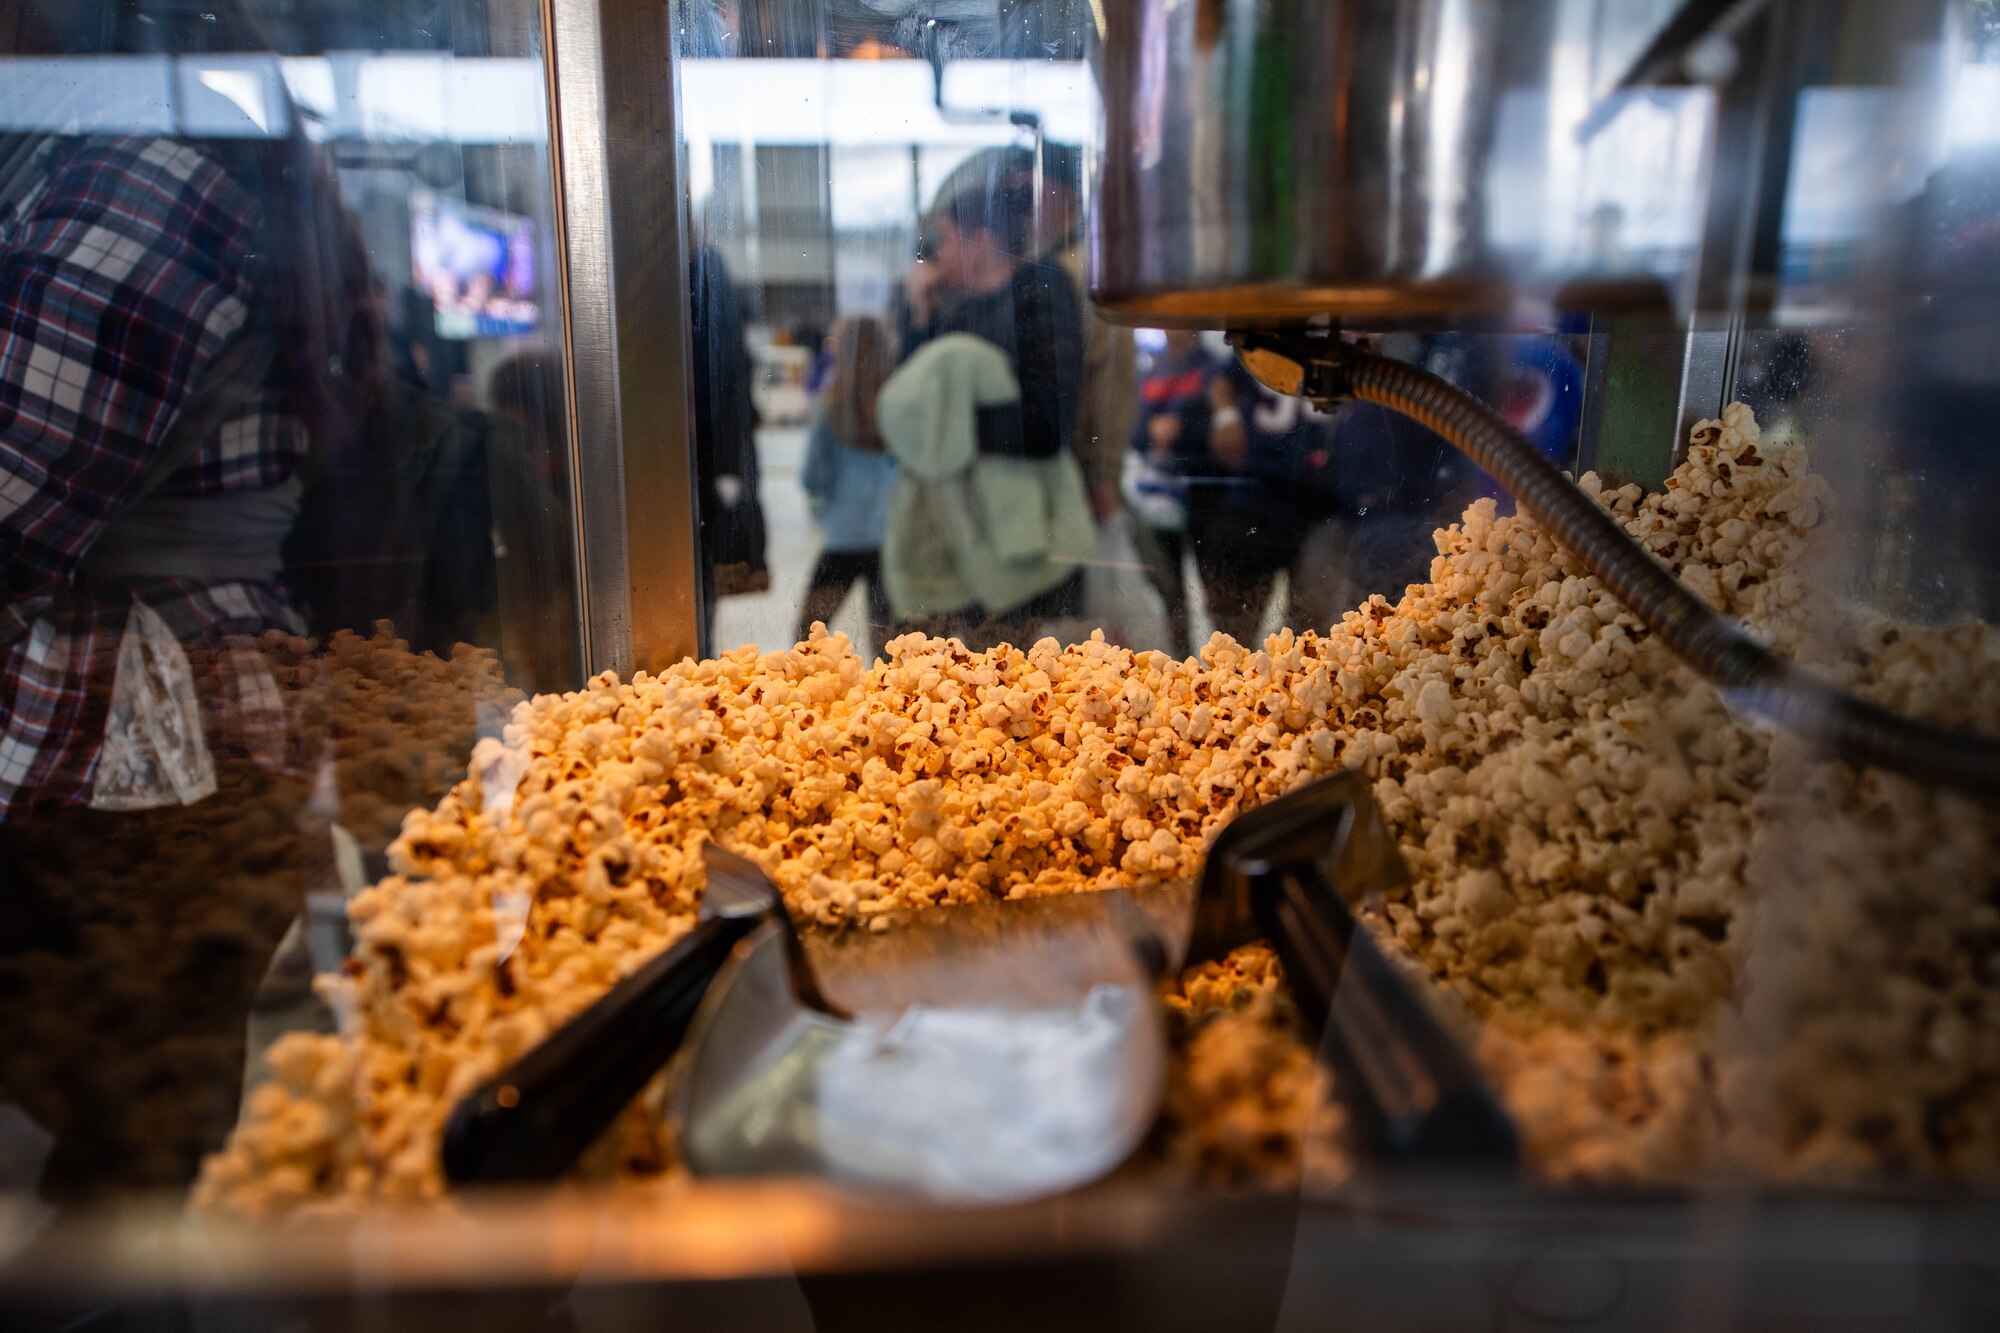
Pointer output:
x,y
532,1120
1413,1090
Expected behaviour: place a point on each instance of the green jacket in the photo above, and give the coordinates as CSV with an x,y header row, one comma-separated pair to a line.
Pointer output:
x,y
965,530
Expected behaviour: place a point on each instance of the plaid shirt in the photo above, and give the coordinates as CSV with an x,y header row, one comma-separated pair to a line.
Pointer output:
x,y
122,274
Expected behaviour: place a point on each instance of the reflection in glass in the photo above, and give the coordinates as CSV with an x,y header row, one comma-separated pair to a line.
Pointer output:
x,y
284,511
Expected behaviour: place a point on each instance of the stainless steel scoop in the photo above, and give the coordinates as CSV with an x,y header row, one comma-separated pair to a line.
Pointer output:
x,y
967,1057
990,1051
963,1071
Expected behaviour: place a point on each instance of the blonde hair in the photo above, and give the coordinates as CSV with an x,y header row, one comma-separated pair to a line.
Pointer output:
x,y
864,352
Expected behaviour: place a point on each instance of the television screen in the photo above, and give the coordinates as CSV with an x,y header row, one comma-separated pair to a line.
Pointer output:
x,y
477,265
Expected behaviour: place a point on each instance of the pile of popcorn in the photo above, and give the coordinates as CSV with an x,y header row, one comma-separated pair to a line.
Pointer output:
x,y
1589,832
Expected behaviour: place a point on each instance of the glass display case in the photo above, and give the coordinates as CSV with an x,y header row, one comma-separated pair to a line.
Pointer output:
x,y
812,662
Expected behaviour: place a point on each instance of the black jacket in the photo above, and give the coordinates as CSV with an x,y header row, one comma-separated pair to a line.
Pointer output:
x,y
725,417
1036,320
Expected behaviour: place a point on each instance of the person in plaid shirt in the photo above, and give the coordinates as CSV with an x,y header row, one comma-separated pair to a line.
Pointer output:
x,y
122,277
184,327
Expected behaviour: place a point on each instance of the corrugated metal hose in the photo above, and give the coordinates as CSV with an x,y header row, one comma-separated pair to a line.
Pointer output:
x,y
1751,677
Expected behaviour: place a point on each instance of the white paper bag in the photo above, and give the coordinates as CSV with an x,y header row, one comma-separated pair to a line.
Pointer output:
x,y
154,752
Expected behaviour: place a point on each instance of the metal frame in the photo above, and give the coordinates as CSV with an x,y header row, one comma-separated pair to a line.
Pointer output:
x,y
614,116
1388,1252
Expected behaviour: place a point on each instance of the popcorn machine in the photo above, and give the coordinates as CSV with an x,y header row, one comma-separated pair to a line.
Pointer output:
x,y
1377,175
1558,892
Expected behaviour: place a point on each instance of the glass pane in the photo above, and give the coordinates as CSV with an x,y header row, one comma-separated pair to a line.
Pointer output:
x,y
1106,598
286,528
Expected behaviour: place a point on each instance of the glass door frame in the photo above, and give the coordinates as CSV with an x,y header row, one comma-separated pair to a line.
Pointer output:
x,y
621,211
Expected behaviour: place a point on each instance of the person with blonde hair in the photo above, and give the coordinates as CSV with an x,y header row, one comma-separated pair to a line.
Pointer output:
x,y
848,476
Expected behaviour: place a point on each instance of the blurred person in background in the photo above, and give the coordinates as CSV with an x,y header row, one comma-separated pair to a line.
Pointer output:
x,y
848,475
1776,378
461,486
1247,517
1387,485
989,498
1107,388
819,344
729,513
1539,392
1173,415
531,487
728,500
433,567
526,391
1107,397
985,278
978,276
